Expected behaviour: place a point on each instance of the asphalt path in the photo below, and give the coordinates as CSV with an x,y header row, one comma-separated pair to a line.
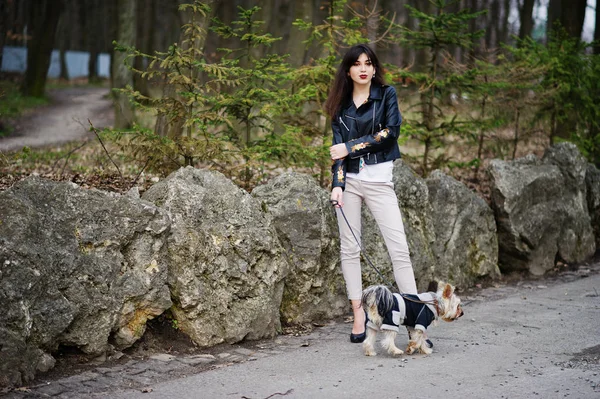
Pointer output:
x,y
526,341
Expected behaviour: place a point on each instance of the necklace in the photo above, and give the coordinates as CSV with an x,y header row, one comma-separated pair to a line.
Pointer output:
x,y
360,100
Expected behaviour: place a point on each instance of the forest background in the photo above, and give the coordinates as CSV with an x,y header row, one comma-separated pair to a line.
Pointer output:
x,y
239,85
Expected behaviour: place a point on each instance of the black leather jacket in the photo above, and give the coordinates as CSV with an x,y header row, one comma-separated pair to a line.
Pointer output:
x,y
371,132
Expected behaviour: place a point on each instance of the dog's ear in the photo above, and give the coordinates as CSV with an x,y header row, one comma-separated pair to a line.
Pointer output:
x,y
433,286
447,291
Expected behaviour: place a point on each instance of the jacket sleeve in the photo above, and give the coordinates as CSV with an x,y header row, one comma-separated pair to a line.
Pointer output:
x,y
338,168
381,139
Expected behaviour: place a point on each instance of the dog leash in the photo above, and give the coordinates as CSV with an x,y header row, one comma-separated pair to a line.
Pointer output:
x,y
385,280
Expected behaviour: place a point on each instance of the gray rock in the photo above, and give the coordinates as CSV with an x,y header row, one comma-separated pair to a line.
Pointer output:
x,y
450,231
77,267
45,363
592,182
226,265
576,242
541,210
306,226
417,213
413,197
466,244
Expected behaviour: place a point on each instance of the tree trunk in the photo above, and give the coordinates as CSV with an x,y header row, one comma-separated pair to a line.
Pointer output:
x,y
300,10
572,16
597,29
422,56
554,12
526,17
94,32
494,23
63,44
44,21
64,69
79,32
569,13
122,75
474,51
505,23
175,128
373,11
145,24
6,11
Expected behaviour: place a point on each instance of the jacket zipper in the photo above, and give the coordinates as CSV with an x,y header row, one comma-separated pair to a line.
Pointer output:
x,y
344,124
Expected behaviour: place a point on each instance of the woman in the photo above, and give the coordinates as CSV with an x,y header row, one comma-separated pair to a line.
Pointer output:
x,y
365,120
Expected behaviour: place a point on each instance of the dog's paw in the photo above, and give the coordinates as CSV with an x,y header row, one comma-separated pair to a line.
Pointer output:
x,y
411,348
425,350
397,352
370,352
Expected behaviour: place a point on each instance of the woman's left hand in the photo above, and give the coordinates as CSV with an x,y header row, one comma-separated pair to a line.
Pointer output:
x,y
338,151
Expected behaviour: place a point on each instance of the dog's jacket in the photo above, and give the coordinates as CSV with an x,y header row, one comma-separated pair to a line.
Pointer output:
x,y
409,313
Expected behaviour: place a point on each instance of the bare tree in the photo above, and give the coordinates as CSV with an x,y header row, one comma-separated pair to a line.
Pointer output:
x,y
526,18
62,37
573,16
174,128
570,14
121,73
144,36
505,22
92,15
44,21
597,29
6,10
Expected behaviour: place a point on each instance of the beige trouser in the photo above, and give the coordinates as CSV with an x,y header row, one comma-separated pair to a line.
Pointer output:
x,y
383,204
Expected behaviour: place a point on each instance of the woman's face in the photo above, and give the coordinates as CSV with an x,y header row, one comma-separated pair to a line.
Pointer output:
x,y
362,71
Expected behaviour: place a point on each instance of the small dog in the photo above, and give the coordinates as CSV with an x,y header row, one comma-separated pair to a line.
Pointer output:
x,y
387,311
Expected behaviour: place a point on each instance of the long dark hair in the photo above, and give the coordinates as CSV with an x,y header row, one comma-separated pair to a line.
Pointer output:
x,y
343,85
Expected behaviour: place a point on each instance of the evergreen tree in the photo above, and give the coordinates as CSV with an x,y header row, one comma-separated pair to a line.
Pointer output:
x,y
313,80
259,96
436,33
569,89
190,106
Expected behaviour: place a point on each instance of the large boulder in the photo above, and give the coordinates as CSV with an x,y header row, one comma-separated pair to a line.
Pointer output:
x,y
450,231
78,268
413,198
226,265
306,226
592,182
466,245
541,210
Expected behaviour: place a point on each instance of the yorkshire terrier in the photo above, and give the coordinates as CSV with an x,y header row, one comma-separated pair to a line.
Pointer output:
x,y
387,312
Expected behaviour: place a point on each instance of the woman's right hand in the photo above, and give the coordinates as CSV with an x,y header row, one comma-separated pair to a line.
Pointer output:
x,y
337,195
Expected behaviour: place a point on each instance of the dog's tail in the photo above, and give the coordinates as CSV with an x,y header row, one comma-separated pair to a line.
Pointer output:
x,y
377,300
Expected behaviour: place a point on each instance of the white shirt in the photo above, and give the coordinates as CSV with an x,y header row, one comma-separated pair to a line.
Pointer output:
x,y
376,173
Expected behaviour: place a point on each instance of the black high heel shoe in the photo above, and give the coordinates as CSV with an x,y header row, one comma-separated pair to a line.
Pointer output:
x,y
358,338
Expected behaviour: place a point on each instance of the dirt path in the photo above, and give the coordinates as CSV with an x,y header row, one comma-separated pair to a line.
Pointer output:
x,y
64,119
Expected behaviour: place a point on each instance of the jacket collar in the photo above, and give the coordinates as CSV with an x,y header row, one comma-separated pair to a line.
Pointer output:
x,y
375,93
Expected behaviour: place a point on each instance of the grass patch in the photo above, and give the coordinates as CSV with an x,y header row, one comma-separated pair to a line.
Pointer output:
x,y
13,104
